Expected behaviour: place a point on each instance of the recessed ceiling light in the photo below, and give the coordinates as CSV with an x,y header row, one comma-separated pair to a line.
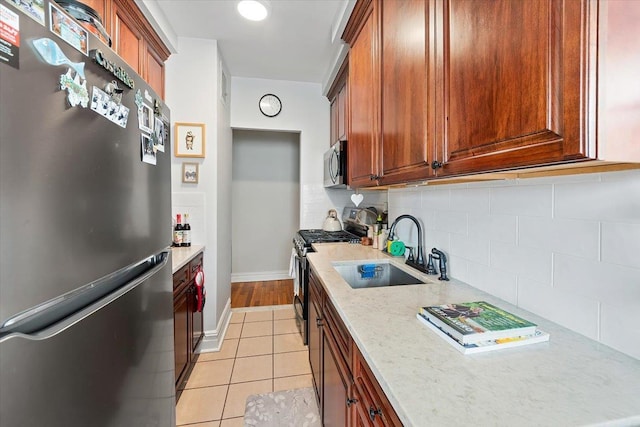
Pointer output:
x,y
253,10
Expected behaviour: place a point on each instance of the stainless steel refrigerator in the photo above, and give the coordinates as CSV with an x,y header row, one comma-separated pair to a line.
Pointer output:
x,y
86,307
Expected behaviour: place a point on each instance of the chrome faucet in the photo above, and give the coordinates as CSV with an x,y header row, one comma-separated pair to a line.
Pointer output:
x,y
418,263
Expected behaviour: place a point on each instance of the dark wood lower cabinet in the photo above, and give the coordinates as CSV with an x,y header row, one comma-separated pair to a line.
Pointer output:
x,y
348,393
180,329
315,344
187,321
336,385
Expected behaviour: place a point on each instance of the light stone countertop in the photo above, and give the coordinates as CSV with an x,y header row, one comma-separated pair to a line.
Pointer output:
x,y
570,380
181,256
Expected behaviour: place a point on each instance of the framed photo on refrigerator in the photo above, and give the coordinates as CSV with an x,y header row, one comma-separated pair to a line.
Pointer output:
x,y
189,140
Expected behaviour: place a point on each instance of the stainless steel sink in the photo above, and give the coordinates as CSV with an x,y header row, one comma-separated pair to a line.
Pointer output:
x,y
373,274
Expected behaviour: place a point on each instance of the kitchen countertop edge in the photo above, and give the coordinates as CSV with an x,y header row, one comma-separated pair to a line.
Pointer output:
x,y
181,256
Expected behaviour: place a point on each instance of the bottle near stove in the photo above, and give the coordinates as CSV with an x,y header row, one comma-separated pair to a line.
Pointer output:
x,y
186,231
178,231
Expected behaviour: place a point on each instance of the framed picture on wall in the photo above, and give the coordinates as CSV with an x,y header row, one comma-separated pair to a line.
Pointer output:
x,y
190,173
189,140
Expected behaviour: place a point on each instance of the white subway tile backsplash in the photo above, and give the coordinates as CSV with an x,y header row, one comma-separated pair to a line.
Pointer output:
x,y
621,244
470,249
522,261
500,283
473,201
579,238
437,239
614,200
619,326
562,247
529,200
452,222
600,281
632,174
500,228
436,198
457,267
575,312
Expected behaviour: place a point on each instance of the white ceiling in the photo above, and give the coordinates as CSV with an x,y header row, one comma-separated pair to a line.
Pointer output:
x,y
299,41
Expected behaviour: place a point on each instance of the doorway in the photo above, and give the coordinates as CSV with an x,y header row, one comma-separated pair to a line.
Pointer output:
x,y
265,203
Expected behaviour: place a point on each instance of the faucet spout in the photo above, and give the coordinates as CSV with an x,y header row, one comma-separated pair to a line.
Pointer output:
x,y
419,261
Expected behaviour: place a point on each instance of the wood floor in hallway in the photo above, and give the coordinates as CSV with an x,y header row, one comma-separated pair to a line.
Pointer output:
x,y
257,294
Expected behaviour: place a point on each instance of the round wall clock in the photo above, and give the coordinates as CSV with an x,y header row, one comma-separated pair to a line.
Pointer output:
x,y
270,105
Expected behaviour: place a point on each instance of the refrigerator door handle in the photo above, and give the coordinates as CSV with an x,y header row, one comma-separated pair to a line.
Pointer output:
x,y
54,316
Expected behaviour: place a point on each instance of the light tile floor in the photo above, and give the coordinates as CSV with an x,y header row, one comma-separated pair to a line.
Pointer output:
x,y
262,352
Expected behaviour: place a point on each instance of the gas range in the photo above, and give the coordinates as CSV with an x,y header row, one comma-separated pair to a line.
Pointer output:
x,y
305,238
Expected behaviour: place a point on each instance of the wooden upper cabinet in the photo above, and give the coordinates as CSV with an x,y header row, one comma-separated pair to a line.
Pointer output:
x,y
407,111
513,85
136,42
363,95
337,96
154,71
341,131
128,41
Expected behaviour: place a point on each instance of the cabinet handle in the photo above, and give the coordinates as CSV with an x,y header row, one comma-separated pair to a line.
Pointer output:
x,y
318,321
436,165
374,412
351,401
374,177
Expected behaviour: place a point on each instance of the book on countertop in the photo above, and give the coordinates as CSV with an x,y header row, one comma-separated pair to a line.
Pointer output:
x,y
497,344
471,322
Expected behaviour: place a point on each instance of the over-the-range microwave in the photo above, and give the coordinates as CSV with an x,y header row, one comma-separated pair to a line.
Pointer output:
x,y
335,166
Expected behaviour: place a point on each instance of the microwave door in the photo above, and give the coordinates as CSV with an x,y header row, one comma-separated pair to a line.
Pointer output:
x,y
334,166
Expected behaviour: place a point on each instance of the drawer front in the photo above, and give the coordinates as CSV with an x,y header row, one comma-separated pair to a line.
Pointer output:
x,y
181,279
195,264
374,402
339,331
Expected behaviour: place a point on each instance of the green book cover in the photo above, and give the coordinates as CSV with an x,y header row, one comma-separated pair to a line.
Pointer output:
x,y
477,321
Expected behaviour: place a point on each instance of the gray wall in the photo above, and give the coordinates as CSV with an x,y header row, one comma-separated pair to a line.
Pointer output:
x,y
265,203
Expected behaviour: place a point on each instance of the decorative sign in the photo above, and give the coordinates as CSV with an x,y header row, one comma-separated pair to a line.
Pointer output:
x,y
119,72
108,107
9,37
51,53
77,93
68,30
33,9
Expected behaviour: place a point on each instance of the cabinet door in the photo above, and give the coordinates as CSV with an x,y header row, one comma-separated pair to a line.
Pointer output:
x,y
333,112
315,343
154,71
405,86
128,40
514,84
363,82
195,319
342,113
336,385
181,337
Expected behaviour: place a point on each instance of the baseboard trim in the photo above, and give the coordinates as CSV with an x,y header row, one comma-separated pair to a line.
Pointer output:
x,y
260,276
213,340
